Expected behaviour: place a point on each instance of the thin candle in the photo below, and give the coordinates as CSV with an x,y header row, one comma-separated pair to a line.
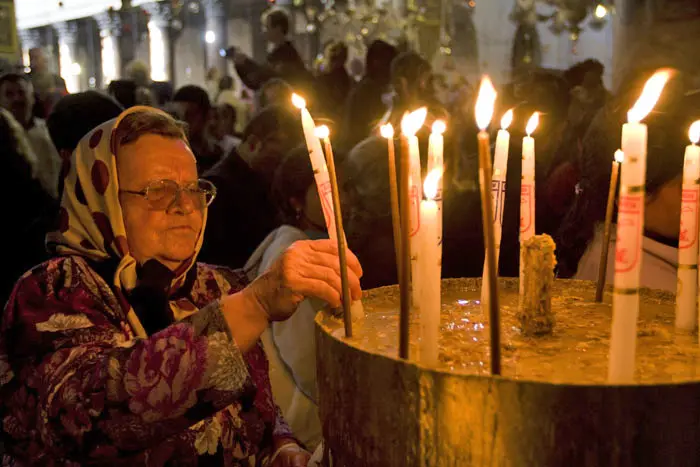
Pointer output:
x,y
323,133
484,111
387,131
498,193
436,145
687,292
630,226
612,192
430,270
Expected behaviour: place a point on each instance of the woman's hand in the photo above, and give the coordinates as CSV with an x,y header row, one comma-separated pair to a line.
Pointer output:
x,y
306,269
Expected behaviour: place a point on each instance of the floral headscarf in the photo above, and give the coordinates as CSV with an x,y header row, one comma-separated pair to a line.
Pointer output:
x,y
90,217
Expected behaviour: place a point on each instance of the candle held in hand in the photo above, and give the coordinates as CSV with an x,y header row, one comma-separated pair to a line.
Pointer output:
x,y
630,226
430,270
498,193
484,111
686,293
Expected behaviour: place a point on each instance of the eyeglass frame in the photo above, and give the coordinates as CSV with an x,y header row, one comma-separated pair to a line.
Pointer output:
x,y
180,188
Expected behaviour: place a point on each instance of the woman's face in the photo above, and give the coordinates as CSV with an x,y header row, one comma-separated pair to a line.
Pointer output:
x,y
167,235
312,207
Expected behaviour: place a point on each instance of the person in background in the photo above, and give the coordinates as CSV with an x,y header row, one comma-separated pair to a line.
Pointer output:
x,y
227,95
580,239
139,72
222,127
150,358
17,97
283,61
211,83
243,213
123,91
365,105
28,209
291,347
192,106
49,87
334,83
274,92
73,117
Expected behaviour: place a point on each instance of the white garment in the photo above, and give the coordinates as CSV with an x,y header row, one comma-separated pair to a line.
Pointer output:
x,y
49,162
659,262
291,347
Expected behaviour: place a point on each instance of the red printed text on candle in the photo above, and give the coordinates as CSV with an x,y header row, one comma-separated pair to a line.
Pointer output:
x,y
526,199
689,219
327,203
498,195
629,224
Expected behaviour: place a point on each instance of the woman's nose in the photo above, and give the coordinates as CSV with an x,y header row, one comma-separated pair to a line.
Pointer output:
x,y
181,205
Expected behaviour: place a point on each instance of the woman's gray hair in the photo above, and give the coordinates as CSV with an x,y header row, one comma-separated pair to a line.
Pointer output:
x,y
141,123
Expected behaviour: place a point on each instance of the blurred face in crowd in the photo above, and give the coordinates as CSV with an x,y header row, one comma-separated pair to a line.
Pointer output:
x,y
194,115
37,61
18,98
273,34
313,211
266,154
223,121
663,210
167,232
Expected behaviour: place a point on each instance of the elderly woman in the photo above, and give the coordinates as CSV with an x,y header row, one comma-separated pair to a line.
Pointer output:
x,y
122,350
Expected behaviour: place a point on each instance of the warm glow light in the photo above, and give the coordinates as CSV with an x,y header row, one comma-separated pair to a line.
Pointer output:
x,y
430,185
411,123
109,60
507,119
485,103
298,101
322,132
75,69
387,131
532,123
600,11
619,156
694,132
439,127
156,43
210,37
650,95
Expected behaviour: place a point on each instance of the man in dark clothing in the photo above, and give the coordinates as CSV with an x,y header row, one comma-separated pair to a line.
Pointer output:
x,y
242,213
365,106
334,83
192,106
283,62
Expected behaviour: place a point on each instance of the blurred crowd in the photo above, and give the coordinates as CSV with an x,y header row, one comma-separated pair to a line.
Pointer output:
x,y
249,143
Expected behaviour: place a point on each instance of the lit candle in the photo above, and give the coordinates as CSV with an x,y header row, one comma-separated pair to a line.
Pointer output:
x,y
686,294
612,192
387,131
430,269
409,128
630,226
484,111
498,193
436,162
318,164
527,187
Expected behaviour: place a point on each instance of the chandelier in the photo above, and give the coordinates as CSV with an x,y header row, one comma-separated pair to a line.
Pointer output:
x,y
563,16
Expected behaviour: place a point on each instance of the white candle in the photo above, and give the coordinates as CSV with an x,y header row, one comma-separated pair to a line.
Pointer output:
x,y
318,164
630,228
410,125
436,162
498,193
430,270
527,187
686,294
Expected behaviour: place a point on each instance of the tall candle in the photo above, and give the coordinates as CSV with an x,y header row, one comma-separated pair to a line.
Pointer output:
x,y
527,187
612,193
484,111
387,131
630,227
687,292
430,270
498,193
409,128
436,162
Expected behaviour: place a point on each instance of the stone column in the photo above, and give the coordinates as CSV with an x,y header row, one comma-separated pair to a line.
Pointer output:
x,y
110,29
215,33
69,69
160,40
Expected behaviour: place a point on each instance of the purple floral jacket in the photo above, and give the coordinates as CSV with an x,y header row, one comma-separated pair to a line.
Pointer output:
x,y
77,388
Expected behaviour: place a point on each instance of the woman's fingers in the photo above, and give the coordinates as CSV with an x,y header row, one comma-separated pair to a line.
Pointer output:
x,y
330,247
310,287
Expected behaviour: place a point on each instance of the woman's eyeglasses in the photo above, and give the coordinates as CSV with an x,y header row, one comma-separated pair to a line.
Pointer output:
x,y
161,194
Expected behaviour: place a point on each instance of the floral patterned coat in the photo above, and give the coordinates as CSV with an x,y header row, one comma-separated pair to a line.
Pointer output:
x,y
77,388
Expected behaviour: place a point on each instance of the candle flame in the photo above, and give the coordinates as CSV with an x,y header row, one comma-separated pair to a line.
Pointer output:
x,y
298,101
485,103
650,96
387,131
322,132
619,156
694,132
411,123
532,123
439,127
507,119
431,183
